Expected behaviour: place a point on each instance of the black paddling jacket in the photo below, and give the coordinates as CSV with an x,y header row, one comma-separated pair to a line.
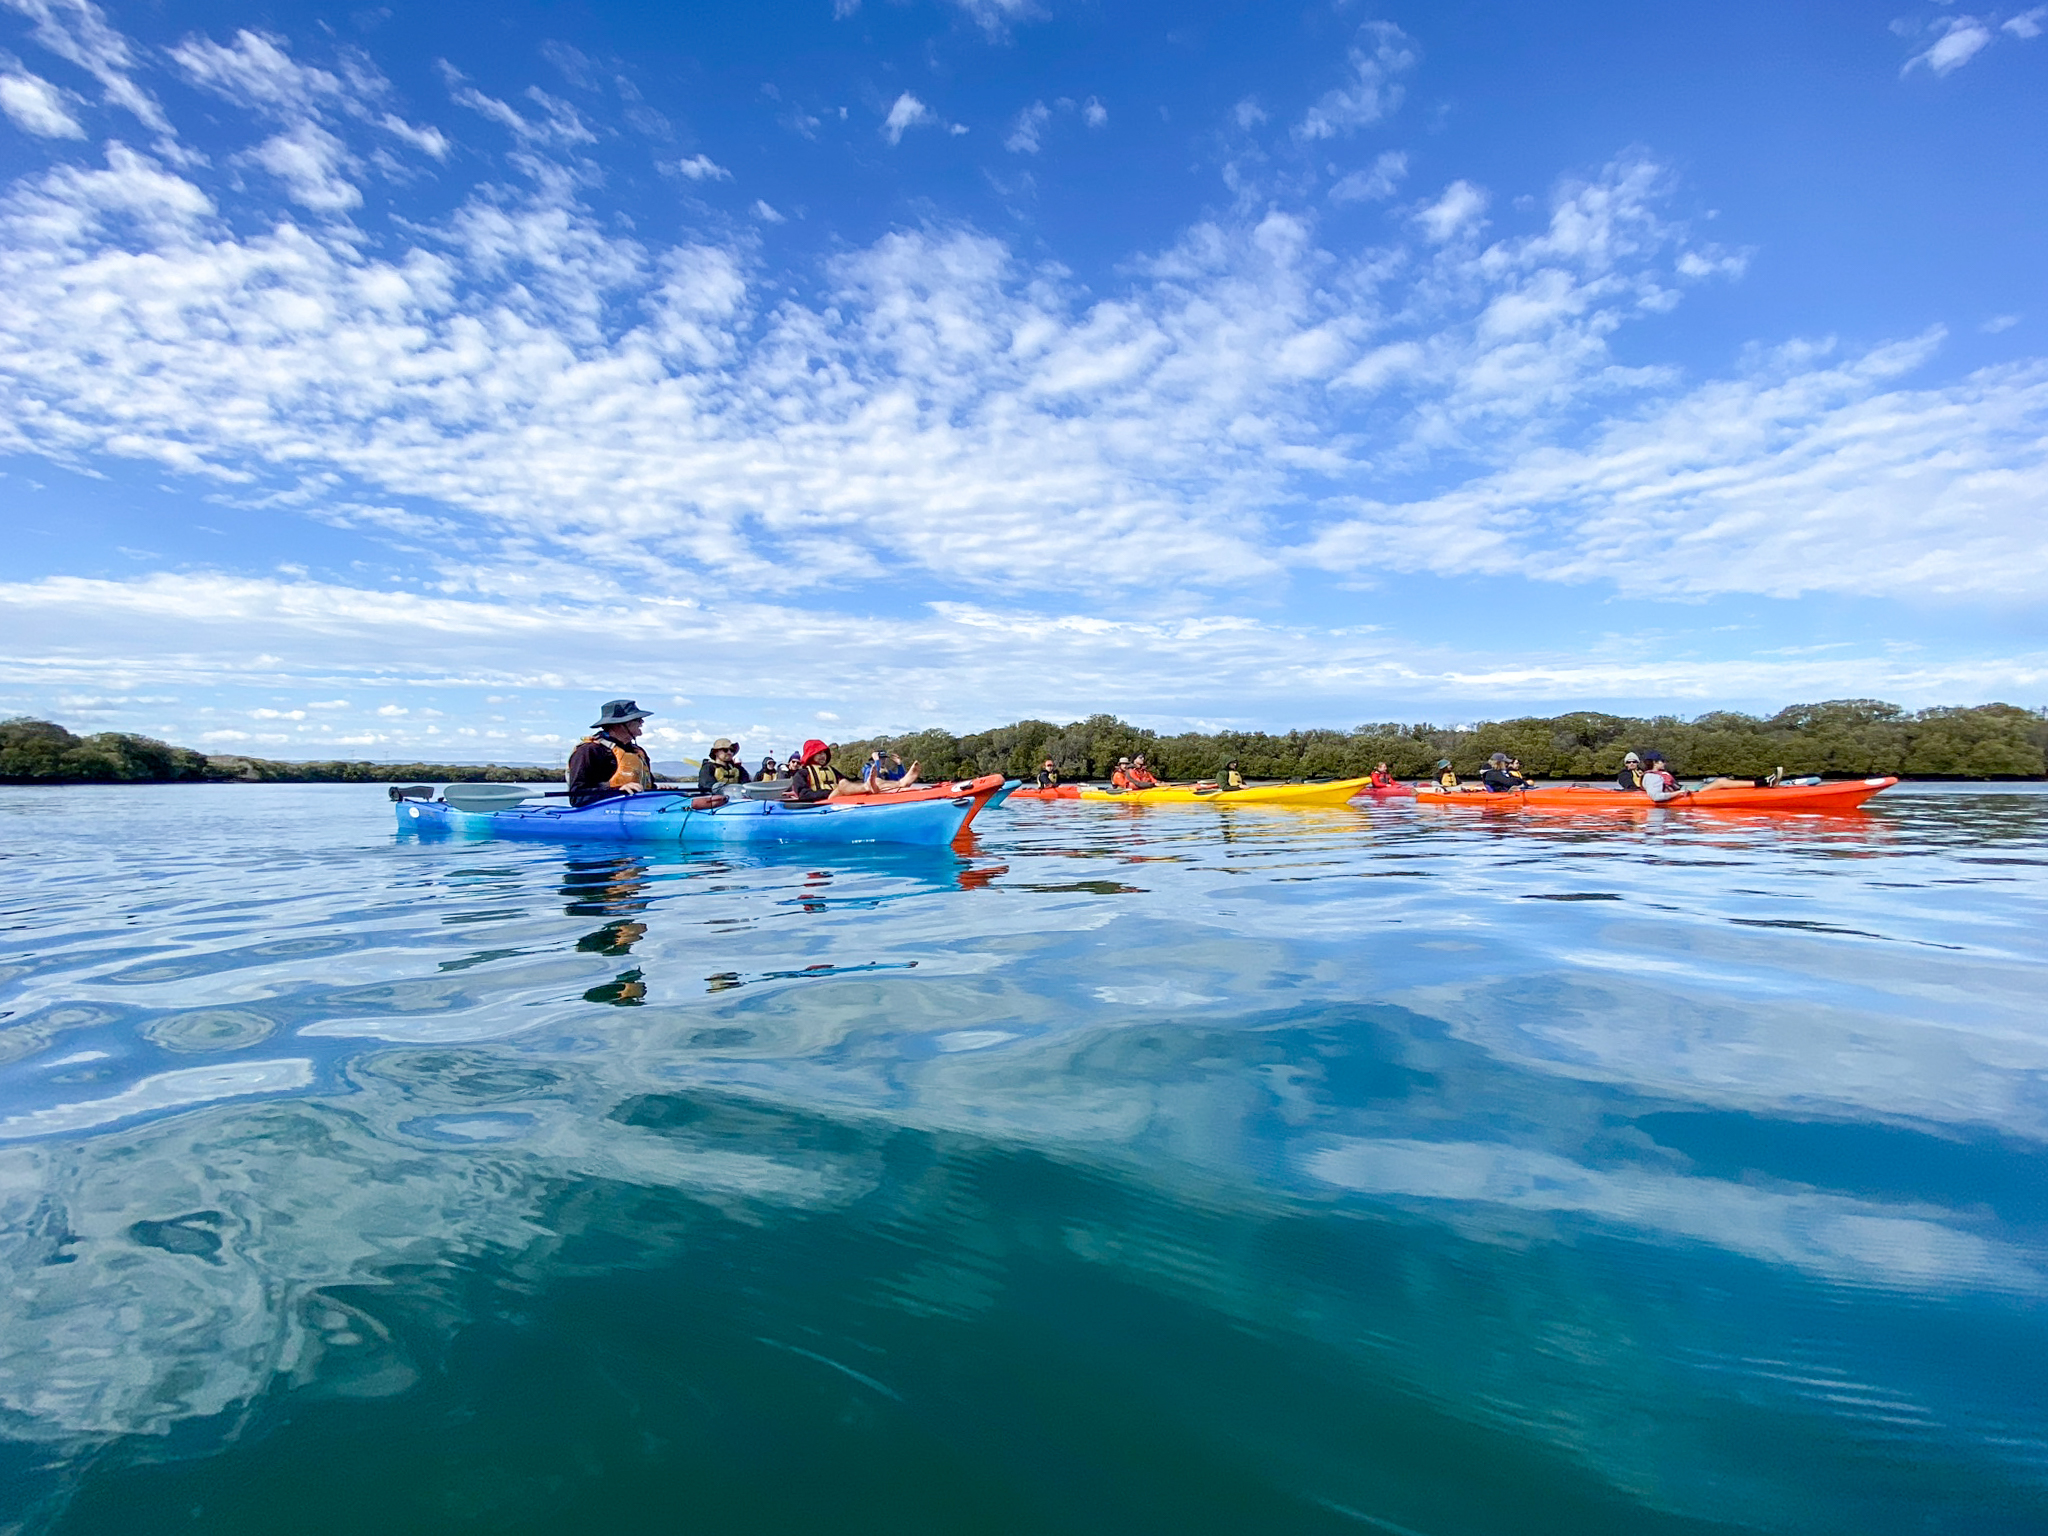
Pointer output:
x,y
713,776
1048,778
1628,778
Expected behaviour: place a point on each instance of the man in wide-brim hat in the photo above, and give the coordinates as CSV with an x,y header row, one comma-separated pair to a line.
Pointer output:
x,y
722,768
610,761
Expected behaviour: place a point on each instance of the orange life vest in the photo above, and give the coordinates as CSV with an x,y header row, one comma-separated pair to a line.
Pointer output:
x,y
635,770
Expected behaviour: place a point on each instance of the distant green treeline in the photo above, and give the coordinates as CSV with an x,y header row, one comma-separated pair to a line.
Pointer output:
x,y
1841,737
38,752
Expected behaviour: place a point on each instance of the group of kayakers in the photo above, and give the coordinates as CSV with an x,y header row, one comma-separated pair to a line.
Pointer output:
x,y
610,761
1646,771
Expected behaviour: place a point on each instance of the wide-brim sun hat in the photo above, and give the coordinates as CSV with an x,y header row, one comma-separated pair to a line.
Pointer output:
x,y
618,712
725,744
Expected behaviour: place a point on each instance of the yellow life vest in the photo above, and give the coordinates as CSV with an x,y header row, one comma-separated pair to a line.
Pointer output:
x,y
725,773
1448,779
819,778
635,770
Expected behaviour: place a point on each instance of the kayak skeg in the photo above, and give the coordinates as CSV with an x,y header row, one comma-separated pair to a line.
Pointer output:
x,y
929,815
1330,792
1842,795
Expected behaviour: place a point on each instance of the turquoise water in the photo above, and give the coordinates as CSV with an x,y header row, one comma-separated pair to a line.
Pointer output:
x,y
1172,1170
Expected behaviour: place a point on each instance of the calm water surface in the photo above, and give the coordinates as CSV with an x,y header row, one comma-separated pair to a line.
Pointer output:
x,y
1178,1170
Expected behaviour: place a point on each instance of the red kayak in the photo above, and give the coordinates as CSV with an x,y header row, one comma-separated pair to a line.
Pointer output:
x,y
1386,792
1061,792
1844,795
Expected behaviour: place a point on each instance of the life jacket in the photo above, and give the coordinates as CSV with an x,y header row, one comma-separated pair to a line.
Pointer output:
x,y
1629,778
814,781
1382,780
1048,778
1141,778
1121,779
1448,778
725,773
635,770
1232,779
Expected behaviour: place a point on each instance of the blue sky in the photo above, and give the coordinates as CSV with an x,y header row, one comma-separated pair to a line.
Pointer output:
x,y
408,379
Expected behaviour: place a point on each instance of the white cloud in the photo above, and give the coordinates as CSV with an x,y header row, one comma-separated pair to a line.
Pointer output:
x,y
558,124
77,31
1806,476
905,113
1027,131
995,16
2027,24
573,399
1960,41
1381,55
257,70
965,665
1378,181
428,140
37,107
702,168
768,215
1461,206
1023,138
309,161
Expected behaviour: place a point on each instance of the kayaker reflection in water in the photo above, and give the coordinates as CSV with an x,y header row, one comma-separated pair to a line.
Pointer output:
x,y
1499,775
1631,775
610,762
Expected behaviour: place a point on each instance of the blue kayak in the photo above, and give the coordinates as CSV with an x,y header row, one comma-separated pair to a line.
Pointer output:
x,y
934,816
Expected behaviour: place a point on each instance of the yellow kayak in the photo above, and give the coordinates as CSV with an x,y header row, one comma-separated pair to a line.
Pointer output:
x,y
1331,792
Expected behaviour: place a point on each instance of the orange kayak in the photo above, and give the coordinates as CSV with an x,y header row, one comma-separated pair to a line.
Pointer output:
x,y
1061,792
1844,795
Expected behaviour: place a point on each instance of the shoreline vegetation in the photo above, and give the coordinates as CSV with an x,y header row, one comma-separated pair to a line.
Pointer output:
x,y
1840,738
